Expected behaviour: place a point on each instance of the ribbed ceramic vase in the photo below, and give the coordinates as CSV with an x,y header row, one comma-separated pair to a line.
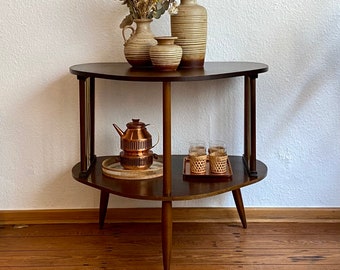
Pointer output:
x,y
190,26
137,46
166,55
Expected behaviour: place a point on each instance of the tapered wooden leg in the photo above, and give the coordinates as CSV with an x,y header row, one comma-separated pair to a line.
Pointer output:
x,y
166,233
239,205
104,199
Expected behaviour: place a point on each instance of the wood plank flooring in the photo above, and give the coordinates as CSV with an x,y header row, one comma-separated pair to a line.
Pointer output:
x,y
196,246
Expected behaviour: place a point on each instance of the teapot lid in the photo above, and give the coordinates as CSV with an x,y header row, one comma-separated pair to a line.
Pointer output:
x,y
135,124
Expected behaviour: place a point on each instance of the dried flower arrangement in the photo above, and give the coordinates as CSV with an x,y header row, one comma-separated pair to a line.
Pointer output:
x,y
147,9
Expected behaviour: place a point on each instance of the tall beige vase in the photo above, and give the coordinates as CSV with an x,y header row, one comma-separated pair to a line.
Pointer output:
x,y
137,46
190,26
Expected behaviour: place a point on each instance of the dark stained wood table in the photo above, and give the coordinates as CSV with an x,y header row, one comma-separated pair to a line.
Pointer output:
x,y
171,186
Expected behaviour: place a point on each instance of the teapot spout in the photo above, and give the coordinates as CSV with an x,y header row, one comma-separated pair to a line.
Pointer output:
x,y
120,132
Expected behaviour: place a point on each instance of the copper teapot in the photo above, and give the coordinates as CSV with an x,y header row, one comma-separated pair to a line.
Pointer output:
x,y
136,143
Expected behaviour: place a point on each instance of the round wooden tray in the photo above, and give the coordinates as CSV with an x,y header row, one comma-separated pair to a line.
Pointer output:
x,y
111,167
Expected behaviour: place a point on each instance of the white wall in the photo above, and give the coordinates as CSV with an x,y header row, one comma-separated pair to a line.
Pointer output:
x,y
298,99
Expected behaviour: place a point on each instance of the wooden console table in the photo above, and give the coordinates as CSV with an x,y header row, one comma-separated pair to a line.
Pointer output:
x,y
170,187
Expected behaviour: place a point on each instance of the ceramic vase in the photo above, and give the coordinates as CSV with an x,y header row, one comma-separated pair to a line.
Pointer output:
x,y
137,46
190,26
166,55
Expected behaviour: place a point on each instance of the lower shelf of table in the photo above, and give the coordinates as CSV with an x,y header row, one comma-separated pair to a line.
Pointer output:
x,y
152,189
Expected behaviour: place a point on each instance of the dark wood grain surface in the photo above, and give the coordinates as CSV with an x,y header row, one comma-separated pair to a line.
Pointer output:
x,y
211,71
152,189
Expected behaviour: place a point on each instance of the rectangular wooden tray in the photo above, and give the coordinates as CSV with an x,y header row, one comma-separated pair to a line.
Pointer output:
x,y
207,177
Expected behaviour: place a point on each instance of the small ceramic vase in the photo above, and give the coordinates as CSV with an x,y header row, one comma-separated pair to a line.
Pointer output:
x,y
166,55
137,46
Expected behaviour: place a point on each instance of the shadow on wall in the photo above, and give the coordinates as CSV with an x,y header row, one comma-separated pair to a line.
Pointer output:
x,y
311,84
207,111
48,147
302,135
119,102
200,110
318,64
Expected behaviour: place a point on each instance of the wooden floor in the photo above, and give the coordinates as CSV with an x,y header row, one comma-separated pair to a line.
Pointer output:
x,y
196,246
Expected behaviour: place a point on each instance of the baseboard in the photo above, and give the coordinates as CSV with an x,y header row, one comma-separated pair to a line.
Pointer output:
x,y
138,215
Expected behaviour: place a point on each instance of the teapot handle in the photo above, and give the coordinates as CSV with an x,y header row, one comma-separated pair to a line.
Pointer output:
x,y
124,31
157,135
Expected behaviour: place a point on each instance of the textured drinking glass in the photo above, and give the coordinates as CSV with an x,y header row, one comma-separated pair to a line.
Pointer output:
x,y
217,147
198,158
217,157
198,164
197,149
218,162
